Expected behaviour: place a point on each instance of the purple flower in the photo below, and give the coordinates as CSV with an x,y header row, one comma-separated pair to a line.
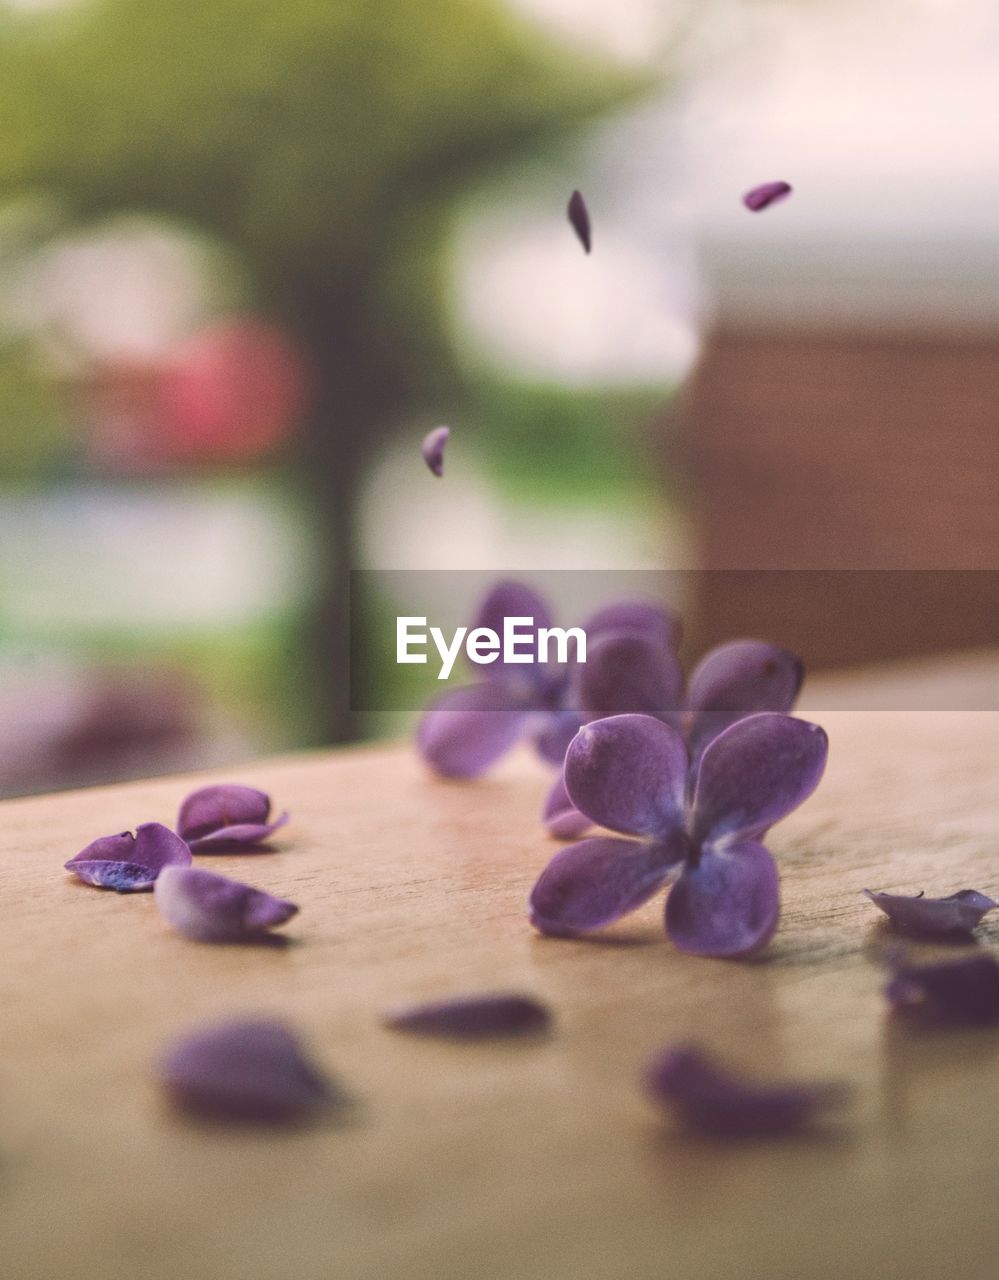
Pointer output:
x,y
579,219
219,818
473,1017
628,673
207,907
629,773
249,1071
711,1100
130,863
433,449
765,194
466,730
963,991
958,913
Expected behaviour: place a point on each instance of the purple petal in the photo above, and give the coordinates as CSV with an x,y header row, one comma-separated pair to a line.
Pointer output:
x,y
766,193
579,218
209,811
560,815
130,863
713,1101
473,1017
635,617
250,1071
517,600
433,449
629,673
726,905
466,730
560,727
959,913
755,773
963,991
207,907
239,835
736,679
597,881
627,773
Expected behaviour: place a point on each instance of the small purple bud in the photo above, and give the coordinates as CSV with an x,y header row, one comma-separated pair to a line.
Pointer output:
x,y
765,194
963,991
473,1017
207,907
711,1100
130,863
220,818
251,1071
433,449
579,218
958,913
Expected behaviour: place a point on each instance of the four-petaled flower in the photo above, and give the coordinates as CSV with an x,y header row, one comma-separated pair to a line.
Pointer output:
x,y
466,730
629,773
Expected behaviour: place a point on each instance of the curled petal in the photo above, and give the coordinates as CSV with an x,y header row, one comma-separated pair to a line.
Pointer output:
x,y
597,881
755,773
560,815
736,679
207,907
712,1100
248,1071
958,913
636,617
467,730
627,773
765,194
130,863
432,449
225,816
473,1017
726,905
559,729
963,991
579,219
629,673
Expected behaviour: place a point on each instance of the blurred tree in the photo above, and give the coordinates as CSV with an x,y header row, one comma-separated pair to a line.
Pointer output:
x,y
326,140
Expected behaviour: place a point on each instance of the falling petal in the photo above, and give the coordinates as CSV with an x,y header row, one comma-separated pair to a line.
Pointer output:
x,y
629,674
467,730
130,863
713,1101
628,773
225,816
963,991
755,773
959,913
433,449
247,1071
635,617
727,904
207,907
765,194
579,218
735,680
473,1017
597,881
560,816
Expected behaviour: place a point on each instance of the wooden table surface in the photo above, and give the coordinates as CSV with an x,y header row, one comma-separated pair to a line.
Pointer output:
x,y
533,1161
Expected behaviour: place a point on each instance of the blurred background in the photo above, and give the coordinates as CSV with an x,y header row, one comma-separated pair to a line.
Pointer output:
x,y
250,253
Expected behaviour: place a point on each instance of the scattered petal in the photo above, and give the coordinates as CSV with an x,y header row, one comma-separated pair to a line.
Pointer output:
x,y
466,730
755,773
597,881
559,729
635,617
207,907
130,863
765,194
510,599
958,913
736,679
561,817
963,991
579,217
225,816
711,1100
473,1017
628,773
629,674
727,904
248,1071
433,449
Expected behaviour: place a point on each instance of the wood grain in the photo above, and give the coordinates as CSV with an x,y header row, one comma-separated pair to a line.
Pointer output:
x,y
538,1161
